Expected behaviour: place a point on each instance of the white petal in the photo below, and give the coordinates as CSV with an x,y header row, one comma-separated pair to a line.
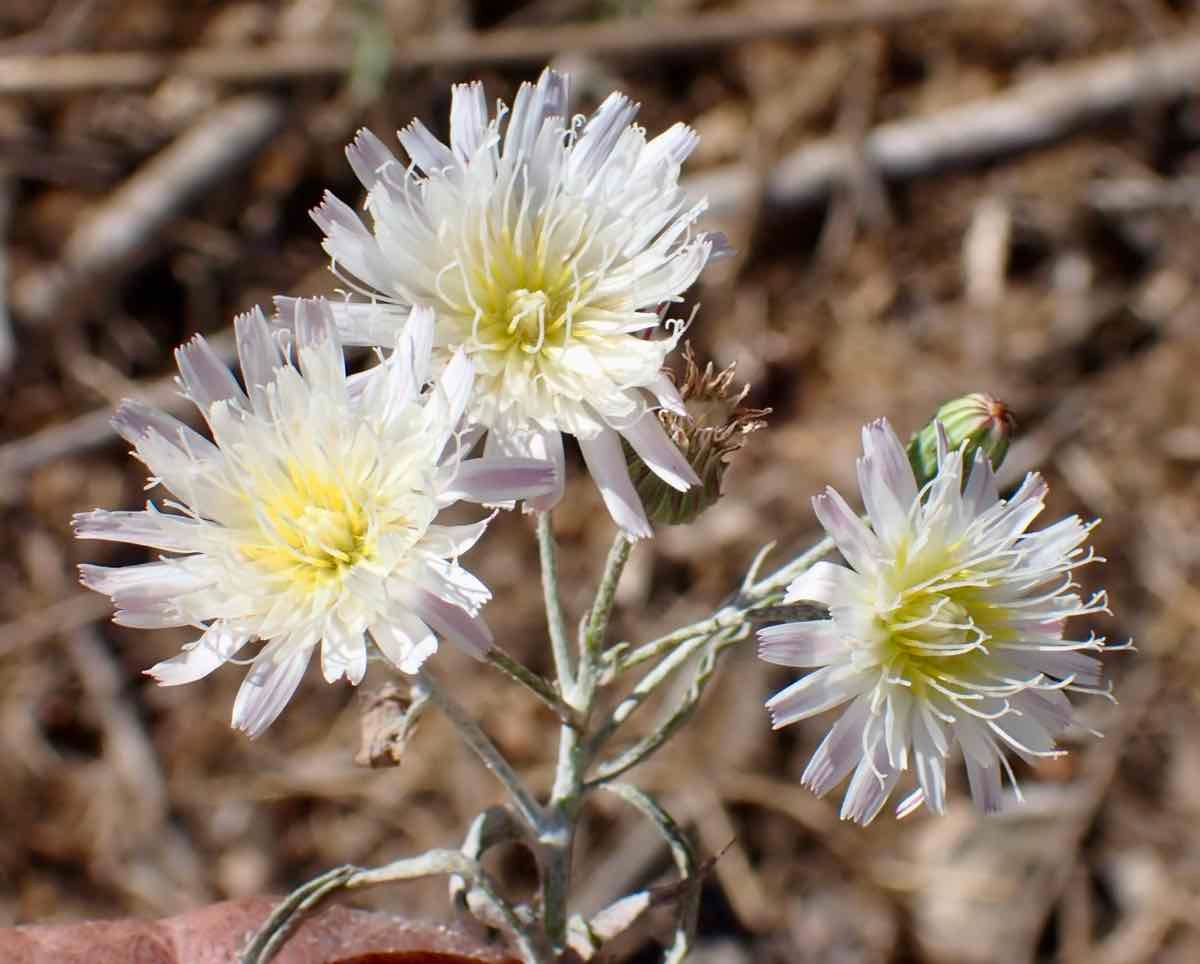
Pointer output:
x,y
823,582
267,688
404,640
155,530
882,446
607,467
650,441
468,119
930,764
450,542
216,647
425,150
981,492
813,694
805,644
343,654
134,420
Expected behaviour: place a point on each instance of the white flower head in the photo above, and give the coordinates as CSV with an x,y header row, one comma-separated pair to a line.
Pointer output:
x,y
547,246
309,519
948,626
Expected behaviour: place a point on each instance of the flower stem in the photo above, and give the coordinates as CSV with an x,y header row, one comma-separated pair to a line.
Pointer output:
x,y
557,837
755,594
540,687
555,620
485,749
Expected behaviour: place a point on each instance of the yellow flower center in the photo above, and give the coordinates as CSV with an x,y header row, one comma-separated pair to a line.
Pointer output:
x,y
523,296
312,529
936,634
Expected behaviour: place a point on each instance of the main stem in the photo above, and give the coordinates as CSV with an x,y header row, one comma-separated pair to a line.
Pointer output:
x,y
579,692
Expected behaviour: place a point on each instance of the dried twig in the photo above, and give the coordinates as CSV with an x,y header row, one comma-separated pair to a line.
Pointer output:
x,y
628,37
1045,109
221,142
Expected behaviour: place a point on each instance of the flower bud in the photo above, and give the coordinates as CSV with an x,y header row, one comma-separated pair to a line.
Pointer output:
x,y
715,427
978,419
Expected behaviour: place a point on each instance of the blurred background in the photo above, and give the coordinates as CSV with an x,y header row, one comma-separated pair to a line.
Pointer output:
x,y
927,197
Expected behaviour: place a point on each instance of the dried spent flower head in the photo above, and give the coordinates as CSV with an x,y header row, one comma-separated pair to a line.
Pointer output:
x,y
309,519
545,244
947,626
978,420
714,427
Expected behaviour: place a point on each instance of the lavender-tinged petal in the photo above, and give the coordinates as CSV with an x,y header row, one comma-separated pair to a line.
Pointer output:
x,y
870,787
155,530
134,420
425,150
841,749
257,351
206,379
491,481
468,632
856,542
986,787
368,158
883,447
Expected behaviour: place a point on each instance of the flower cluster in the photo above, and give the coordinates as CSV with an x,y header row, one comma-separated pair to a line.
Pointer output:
x,y
514,285
948,626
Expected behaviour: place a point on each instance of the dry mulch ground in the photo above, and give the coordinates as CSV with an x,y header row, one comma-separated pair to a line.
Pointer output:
x,y
1063,279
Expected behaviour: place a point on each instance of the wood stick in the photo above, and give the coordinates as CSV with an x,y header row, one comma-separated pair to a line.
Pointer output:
x,y
1048,107
625,37
216,146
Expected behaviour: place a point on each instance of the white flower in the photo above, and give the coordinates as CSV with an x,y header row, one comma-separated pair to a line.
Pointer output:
x,y
947,627
546,246
309,519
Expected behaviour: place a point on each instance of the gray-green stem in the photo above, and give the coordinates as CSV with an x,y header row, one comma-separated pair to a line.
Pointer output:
x,y
555,620
565,799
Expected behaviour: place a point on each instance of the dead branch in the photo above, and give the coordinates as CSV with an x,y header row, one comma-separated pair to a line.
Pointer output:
x,y
1047,108
625,37
221,142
